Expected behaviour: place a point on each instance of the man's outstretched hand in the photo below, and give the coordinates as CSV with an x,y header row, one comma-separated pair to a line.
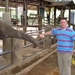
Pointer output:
x,y
41,36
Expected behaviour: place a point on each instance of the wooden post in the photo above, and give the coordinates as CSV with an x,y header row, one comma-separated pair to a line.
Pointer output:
x,y
17,51
6,14
6,5
16,9
7,47
47,42
25,25
16,45
41,14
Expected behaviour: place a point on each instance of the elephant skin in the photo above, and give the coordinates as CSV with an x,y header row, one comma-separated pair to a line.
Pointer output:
x,y
7,31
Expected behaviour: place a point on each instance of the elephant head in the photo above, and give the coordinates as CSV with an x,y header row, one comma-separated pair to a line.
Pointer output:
x,y
7,31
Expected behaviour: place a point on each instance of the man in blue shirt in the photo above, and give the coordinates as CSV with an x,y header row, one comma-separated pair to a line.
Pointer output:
x,y
65,45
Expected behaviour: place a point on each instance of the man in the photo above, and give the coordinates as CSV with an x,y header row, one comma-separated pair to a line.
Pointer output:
x,y
48,18
65,45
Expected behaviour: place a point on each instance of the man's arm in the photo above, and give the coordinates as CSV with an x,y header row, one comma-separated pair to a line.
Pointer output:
x,y
44,34
74,47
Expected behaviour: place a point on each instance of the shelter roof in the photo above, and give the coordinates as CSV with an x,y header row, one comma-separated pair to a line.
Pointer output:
x,y
14,3
64,4
33,3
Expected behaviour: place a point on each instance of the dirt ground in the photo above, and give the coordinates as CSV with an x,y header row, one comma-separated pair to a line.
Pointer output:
x,y
48,67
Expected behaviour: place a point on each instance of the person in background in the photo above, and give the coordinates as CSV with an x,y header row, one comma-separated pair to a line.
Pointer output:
x,y
65,45
21,20
59,18
48,18
23,17
24,12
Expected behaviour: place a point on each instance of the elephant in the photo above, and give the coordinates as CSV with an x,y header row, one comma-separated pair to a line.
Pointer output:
x,y
7,31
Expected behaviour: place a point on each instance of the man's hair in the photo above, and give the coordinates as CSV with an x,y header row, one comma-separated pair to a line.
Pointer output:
x,y
63,19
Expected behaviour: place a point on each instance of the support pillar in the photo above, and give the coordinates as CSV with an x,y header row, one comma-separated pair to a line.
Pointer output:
x,y
47,42
16,46
6,15
26,21
6,5
17,51
7,47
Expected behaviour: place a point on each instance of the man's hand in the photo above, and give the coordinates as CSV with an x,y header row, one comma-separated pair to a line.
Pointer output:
x,y
41,36
74,51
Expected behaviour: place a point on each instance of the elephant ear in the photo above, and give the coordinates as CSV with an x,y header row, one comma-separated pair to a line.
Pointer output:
x,y
7,31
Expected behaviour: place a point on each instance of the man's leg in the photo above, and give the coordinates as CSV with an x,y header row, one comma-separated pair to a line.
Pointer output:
x,y
67,57
60,62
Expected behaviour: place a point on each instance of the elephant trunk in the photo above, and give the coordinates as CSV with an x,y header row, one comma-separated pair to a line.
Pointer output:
x,y
21,35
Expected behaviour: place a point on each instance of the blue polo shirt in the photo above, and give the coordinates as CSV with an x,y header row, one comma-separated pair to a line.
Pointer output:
x,y
65,39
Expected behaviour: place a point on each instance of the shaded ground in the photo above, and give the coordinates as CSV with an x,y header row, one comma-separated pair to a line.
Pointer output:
x,y
48,67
